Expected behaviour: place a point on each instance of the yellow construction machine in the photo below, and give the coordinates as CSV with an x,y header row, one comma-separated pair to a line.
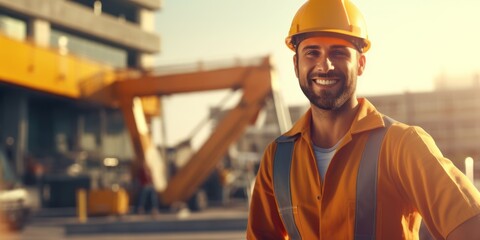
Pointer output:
x,y
136,93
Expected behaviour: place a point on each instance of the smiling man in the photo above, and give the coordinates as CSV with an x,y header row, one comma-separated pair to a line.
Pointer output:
x,y
346,171
329,71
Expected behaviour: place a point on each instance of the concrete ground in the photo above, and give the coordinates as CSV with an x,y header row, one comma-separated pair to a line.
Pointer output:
x,y
221,222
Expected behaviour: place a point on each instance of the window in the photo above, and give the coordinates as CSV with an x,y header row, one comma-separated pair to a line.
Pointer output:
x,y
88,48
13,27
114,8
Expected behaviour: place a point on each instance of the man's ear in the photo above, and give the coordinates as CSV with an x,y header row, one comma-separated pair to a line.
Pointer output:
x,y
295,64
362,60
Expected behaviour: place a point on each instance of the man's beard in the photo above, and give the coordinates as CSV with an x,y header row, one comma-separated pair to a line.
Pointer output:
x,y
328,99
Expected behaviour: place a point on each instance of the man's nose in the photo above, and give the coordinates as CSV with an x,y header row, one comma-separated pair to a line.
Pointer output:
x,y
325,65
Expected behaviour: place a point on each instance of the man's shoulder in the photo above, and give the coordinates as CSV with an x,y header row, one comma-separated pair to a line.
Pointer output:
x,y
400,127
287,138
400,134
283,138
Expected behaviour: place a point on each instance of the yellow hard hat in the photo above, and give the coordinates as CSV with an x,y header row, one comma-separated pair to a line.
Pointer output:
x,y
329,17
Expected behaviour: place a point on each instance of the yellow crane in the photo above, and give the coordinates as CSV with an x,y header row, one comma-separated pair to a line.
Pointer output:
x,y
50,71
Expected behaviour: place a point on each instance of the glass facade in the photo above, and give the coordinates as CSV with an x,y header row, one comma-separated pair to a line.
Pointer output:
x,y
114,8
84,47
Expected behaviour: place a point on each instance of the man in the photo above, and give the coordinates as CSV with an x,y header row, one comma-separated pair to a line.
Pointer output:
x,y
147,191
325,179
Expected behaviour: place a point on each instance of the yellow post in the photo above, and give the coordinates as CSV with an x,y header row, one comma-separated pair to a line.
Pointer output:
x,y
82,205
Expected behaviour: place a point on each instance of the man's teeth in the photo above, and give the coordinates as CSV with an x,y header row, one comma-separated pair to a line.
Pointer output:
x,y
325,81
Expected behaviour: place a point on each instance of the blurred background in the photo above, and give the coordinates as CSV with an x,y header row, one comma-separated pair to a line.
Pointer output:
x,y
92,91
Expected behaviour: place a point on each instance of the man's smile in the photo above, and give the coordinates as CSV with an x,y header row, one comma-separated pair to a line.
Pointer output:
x,y
324,81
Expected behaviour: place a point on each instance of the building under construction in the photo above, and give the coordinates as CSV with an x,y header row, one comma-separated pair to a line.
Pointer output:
x,y
55,54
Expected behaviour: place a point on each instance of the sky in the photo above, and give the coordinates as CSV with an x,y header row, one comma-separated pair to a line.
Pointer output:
x,y
414,42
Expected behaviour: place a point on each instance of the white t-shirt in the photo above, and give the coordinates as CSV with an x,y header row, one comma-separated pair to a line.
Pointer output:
x,y
323,157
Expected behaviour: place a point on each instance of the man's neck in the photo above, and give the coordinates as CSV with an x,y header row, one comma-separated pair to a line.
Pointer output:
x,y
329,126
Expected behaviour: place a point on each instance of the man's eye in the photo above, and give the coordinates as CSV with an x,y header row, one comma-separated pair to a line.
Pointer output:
x,y
339,53
312,53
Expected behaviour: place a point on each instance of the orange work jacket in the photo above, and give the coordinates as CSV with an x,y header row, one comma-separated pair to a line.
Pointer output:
x,y
414,181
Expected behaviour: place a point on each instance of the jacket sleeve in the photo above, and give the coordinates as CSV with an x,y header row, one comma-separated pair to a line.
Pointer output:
x,y
440,192
264,221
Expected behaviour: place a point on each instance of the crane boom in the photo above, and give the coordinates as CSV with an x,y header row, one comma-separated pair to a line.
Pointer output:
x,y
254,80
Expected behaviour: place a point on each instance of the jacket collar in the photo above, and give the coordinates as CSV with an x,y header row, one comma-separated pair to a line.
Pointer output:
x,y
367,118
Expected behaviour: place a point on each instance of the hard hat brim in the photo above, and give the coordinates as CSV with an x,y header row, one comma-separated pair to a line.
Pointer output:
x,y
362,45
